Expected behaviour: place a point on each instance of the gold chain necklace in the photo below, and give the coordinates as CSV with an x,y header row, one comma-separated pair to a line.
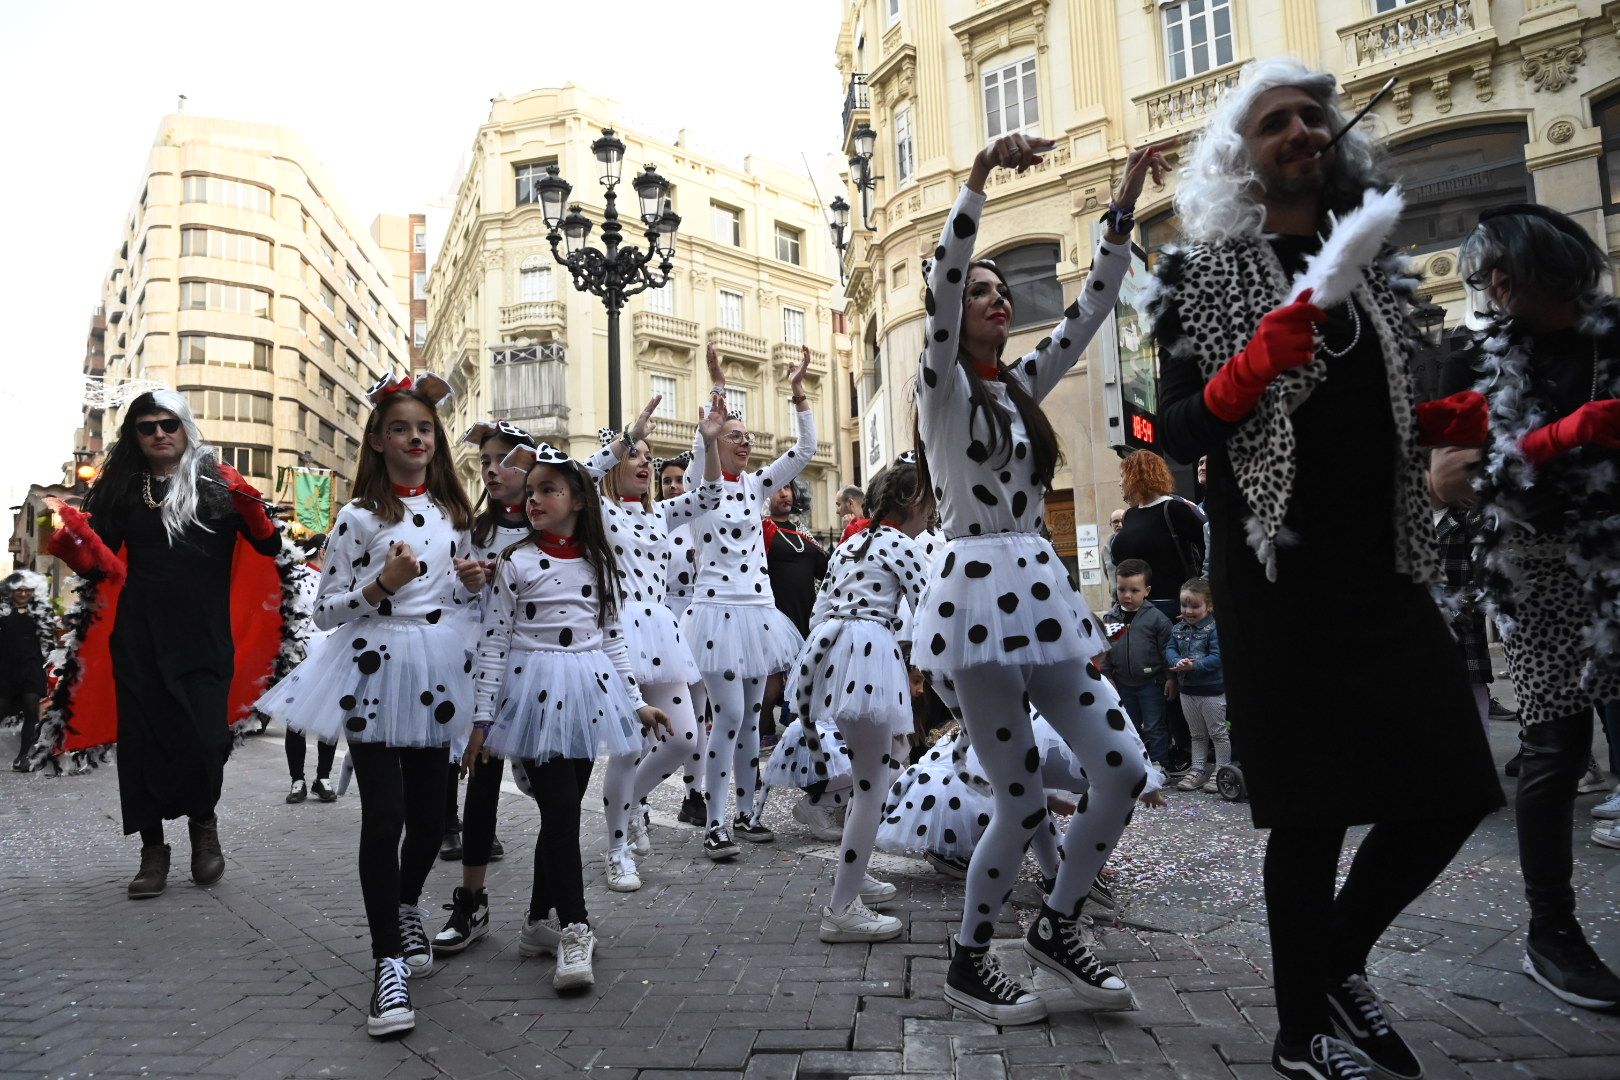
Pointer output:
x,y
146,493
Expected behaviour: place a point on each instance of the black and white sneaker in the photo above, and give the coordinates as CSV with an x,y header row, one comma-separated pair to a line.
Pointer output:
x,y
1326,1058
298,793
976,984
413,939
718,844
693,810
1059,945
390,1010
1359,1015
469,921
752,831
322,787
951,868
1559,958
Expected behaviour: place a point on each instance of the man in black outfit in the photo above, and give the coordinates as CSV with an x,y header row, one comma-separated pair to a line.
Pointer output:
x,y
27,634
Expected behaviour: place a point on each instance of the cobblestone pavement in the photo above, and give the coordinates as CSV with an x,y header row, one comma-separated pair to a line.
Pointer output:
x,y
711,970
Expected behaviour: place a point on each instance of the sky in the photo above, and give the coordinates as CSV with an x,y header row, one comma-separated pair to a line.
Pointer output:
x,y
86,82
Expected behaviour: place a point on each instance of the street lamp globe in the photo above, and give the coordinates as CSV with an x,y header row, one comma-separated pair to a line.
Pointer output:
x,y
576,229
554,192
669,222
650,190
609,152
840,210
865,142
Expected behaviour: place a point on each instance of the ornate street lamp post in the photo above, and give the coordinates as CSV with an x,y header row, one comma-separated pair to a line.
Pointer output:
x,y
613,272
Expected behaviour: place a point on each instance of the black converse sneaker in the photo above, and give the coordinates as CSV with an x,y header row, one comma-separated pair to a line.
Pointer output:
x,y
693,810
975,983
413,939
1326,1058
1359,1015
1059,945
718,844
469,921
1558,957
390,1011
752,831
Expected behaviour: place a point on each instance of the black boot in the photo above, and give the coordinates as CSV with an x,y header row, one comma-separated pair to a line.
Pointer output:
x,y
207,860
153,876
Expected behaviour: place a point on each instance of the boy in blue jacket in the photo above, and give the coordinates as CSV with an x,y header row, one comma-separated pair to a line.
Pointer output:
x,y
1138,634
1194,658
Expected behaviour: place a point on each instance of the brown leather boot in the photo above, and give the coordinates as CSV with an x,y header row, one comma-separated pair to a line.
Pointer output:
x,y
207,861
154,874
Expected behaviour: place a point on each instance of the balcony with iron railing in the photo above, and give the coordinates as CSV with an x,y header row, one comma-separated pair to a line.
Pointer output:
x,y
658,327
1182,106
738,345
1409,35
857,107
533,317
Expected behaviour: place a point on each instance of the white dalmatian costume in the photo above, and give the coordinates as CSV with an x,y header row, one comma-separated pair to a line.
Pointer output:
x,y
999,617
736,633
398,673
659,656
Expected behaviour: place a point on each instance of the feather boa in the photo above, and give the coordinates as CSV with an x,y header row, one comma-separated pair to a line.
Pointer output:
x,y
298,588
1593,549
1339,267
58,718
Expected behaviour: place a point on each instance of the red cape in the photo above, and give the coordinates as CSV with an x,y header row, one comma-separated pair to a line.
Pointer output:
x,y
255,626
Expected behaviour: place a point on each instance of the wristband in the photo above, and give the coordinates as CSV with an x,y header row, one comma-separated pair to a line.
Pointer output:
x,y
799,399
1119,220
629,443
717,389
386,591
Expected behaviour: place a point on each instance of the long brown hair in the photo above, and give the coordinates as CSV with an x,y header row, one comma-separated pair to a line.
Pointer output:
x,y
1046,453
894,489
610,479
483,527
592,535
373,490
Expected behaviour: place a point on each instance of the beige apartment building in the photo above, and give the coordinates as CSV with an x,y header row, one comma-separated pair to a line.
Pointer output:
x,y
242,281
1499,101
754,276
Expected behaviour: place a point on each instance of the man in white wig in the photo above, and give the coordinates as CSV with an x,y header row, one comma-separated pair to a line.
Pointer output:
x,y
1285,343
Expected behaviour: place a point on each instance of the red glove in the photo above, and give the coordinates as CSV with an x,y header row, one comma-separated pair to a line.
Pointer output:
x,y
245,497
1285,339
1463,419
1595,423
77,544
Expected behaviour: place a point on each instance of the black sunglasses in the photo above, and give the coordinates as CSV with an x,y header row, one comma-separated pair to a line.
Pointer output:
x,y
148,428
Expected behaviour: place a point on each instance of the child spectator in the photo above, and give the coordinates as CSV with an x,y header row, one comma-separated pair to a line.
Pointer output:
x,y
1138,633
1194,656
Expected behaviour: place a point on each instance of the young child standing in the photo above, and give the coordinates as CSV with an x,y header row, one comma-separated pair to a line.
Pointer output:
x,y
555,688
1137,635
1194,656
393,678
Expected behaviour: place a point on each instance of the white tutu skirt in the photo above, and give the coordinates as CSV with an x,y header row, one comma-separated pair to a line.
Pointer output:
x,y
563,704
748,641
399,682
851,670
658,653
936,805
793,764
1002,599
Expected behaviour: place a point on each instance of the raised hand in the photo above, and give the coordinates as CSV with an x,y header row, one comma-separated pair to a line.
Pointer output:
x,y
716,374
712,421
644,423
796,380
1139,165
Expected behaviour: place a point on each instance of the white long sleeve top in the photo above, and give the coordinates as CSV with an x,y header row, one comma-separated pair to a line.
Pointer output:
x,y
358,547
872,587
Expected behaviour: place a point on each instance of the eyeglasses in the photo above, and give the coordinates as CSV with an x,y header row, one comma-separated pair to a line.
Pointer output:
x,y
740,438
148,428
1479,280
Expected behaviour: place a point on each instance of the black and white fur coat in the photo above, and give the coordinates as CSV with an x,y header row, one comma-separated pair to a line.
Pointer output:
x,y
1206,301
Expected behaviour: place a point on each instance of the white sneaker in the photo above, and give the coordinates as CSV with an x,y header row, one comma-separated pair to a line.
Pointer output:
x,y
1607,834
640,835
874,891
540,937
621,870
1594,780
818,819
857,922
574,954
1608,809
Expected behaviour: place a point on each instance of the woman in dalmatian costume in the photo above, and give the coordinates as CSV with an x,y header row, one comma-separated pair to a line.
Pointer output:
x,y
394,677
639,530
672,484
1000,618
732,625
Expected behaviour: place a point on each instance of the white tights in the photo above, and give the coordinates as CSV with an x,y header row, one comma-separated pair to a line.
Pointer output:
x,y
733,744
873,764
630,777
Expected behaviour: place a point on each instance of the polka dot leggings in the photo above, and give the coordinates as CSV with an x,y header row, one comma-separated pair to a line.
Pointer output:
x,y
873,767
1084,709
630,777
700,711
733,744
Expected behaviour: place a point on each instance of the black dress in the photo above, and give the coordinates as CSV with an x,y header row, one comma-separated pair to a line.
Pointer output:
x,y
795,564
22,664
1341,668
172,658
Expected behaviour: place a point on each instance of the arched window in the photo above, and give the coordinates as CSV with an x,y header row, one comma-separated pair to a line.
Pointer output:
x,y
1448,179
1031,273
534,280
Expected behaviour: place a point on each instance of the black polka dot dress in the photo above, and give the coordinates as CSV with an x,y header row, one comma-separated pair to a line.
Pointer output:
x,y
998,595
551,682
732,623
642,545
398,673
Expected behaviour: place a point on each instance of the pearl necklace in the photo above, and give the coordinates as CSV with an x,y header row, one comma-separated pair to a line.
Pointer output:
x,y
1355,321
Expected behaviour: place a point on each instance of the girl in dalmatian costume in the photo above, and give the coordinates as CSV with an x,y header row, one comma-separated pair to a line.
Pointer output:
x,y
394,677
639,531
732,624
498,524
682,573
851,676
555,688
1000,618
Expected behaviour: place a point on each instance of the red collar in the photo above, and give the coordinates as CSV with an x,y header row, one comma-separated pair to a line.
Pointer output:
x,y
990,371
731,477
512,513
406,492
560,547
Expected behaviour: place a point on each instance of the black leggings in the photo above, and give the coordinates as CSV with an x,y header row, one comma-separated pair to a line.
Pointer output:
x,y
324,753
1554,757
401,791
28,703
478,820
1318,939
558,786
